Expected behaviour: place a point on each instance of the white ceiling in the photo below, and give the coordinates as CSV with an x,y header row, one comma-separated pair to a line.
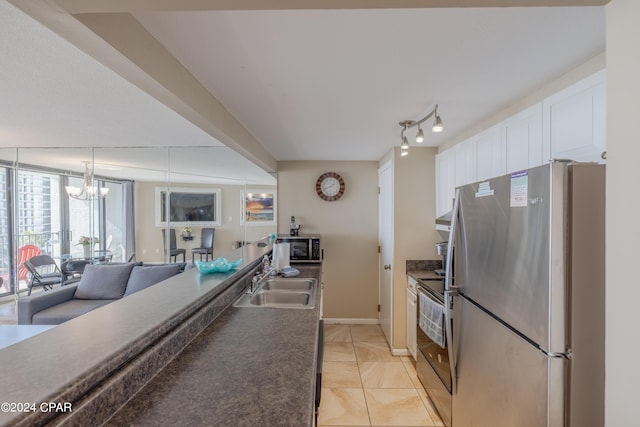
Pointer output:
x,y
334,84
54,95
307,84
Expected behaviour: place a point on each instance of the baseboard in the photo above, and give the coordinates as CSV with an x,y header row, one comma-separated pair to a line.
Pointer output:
x,y
350,321
400,352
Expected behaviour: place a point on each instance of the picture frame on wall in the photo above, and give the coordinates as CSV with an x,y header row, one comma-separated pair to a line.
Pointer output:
x,y
258,207
188,207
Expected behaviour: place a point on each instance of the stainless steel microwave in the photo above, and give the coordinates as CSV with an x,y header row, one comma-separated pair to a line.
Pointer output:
x,y
303,248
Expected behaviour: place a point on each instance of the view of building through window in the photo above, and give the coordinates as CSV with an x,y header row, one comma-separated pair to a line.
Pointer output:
x,y
47,221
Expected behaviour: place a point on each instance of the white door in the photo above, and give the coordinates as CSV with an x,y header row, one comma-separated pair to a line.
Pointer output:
x,y
385,239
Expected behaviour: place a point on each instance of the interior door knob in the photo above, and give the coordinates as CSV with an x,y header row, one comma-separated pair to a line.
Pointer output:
x,y
387,266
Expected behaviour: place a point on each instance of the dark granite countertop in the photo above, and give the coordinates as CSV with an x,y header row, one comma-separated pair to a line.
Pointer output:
x,y
424,275
79,361
424,269
251,366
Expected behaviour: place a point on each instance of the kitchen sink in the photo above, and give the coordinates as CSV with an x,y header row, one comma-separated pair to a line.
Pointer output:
x,y
281,293
285,284
280,298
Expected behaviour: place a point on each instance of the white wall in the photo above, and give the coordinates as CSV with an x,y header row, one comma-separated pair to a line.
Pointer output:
x,y
622,374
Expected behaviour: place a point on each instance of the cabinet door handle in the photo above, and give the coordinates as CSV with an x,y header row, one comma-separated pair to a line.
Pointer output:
x,y
387,266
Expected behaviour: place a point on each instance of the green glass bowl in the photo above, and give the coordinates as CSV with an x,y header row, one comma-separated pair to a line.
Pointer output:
x,y
219,265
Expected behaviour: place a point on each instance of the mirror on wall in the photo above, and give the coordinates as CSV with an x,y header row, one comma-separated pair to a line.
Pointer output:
x,y
8,158
106,204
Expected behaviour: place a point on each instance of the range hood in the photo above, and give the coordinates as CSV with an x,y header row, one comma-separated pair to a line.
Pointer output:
x,y
443,225
444,222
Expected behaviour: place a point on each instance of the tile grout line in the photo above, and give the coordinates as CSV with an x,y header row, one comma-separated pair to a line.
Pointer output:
x,y
433,422
361,380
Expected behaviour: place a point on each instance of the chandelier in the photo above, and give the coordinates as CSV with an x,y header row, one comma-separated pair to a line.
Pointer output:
x,y
87,191
406,124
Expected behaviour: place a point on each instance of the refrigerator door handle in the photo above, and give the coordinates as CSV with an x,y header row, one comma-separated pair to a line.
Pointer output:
x,y
451,291
448,278
448,326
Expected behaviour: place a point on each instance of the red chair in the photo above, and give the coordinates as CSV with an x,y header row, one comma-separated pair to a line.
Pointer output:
x,y
24,253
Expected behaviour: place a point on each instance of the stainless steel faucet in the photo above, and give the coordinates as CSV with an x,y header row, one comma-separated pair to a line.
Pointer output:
x,y
254,283
256,280
263,272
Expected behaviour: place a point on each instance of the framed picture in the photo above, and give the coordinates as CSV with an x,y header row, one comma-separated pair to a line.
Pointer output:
x,y
258,207
188,207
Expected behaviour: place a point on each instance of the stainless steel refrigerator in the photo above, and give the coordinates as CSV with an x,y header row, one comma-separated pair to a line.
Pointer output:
x,y
526,325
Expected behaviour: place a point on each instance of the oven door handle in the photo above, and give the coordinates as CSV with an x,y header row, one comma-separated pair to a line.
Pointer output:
x,y
448,326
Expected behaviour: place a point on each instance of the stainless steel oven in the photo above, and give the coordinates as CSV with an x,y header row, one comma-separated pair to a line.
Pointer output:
x,y
432,362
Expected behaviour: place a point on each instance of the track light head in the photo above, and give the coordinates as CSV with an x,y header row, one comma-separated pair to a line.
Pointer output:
x,y
405,144
420,135
437,125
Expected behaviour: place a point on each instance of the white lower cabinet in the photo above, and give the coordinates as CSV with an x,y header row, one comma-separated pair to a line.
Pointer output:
x,y
412,318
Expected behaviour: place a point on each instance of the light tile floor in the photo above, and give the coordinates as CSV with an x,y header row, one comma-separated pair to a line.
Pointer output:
x,y
8,310
363,384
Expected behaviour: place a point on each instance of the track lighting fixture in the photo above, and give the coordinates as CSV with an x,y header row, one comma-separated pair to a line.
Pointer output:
x,y
406,124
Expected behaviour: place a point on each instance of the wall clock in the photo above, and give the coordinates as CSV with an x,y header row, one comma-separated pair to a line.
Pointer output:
x,y
330,186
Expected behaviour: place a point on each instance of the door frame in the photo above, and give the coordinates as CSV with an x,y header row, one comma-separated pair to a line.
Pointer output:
x,y
386,325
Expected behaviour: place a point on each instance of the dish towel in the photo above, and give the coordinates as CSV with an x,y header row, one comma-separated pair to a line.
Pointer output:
x,y
432,319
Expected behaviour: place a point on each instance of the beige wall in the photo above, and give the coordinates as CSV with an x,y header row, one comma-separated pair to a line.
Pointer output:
x,y
149,244
623,227
349,229
414,193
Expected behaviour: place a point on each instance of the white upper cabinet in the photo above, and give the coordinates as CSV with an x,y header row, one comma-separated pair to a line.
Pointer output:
x,y
574,121
445,181
570,124
489,157
465,154
521,137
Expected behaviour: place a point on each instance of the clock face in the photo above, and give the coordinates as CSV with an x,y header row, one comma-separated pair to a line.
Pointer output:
x,y
330,186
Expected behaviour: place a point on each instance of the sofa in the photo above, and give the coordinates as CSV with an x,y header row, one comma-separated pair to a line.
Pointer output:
x,y
101,284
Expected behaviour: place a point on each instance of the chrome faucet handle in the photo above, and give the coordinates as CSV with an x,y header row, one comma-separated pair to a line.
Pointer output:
x,y
254,282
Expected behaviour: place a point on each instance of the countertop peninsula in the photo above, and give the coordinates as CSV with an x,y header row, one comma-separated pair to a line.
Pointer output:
x,y
250,367
95,363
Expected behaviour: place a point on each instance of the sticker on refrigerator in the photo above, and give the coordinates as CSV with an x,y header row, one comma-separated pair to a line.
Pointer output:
x,y
484,189
519,189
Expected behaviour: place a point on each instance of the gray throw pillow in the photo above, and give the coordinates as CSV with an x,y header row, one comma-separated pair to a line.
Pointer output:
x,y
145,276
103,281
